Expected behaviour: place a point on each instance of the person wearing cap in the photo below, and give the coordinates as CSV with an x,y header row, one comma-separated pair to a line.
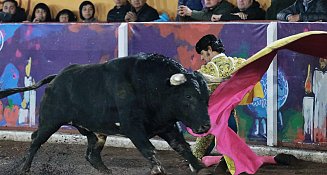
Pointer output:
x,y
218,68
217,65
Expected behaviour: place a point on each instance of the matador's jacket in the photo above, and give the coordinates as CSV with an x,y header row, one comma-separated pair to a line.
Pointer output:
x,y
221,66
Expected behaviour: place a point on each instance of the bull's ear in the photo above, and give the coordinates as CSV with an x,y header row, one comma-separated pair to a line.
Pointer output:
x,y
177,79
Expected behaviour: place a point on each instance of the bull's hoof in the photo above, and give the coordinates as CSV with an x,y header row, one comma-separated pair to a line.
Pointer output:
x,y
24,171
104,170
286,159
99,166
158,170
204,171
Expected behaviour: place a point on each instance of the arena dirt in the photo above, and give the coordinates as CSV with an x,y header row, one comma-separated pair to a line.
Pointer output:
x,y
66,159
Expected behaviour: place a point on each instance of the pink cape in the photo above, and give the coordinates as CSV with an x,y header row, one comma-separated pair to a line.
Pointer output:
x,y
230,93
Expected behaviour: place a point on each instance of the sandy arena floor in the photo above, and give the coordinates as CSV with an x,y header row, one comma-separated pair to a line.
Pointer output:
x,y
57,159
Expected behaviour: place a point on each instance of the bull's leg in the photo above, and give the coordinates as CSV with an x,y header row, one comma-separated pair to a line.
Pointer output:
x,y
131,116
38,138
136,133
94,148
176,140
146,148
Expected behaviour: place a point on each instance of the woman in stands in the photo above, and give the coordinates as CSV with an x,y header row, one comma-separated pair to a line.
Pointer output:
x,y
41,13
66,15
87,11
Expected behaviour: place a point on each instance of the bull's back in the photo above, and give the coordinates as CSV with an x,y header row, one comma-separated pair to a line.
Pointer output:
x,y
94,83
86,93
90,80
91,94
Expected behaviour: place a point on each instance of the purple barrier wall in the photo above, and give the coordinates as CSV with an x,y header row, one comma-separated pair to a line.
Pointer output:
x,y
304,110
29,52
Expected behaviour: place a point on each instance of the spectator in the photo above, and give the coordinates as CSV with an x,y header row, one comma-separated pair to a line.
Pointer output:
x,y
212,7
87,11
66,15
305,11
197,5
245,10
192,4
141,12
276,6
13,11
118,13
41,13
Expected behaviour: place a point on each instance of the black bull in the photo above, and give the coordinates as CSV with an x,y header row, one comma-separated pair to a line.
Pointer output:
x,y
140,96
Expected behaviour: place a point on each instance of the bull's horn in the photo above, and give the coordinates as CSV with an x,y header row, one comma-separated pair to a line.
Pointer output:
x,y
177,79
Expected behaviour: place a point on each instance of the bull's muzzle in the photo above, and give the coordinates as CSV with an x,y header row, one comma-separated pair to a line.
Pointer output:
x,y
203,129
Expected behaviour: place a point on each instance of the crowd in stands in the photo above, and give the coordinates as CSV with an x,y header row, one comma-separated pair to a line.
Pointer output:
x,y
187,10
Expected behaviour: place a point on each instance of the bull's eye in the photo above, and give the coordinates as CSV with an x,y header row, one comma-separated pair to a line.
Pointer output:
x,y
188,97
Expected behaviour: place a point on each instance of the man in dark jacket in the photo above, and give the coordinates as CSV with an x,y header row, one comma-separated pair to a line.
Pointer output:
x,y
305,11
117,14
16,13
212,7
276,6
141,12
191,4
245,10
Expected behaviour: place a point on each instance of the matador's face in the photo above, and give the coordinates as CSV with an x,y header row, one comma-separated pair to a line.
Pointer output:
x,y
205,56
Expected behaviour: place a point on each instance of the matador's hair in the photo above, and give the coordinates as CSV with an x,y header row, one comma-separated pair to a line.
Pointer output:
x,y
209,40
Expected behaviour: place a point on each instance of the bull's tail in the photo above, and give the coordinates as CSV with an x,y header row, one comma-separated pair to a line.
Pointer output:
x,y
8,92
